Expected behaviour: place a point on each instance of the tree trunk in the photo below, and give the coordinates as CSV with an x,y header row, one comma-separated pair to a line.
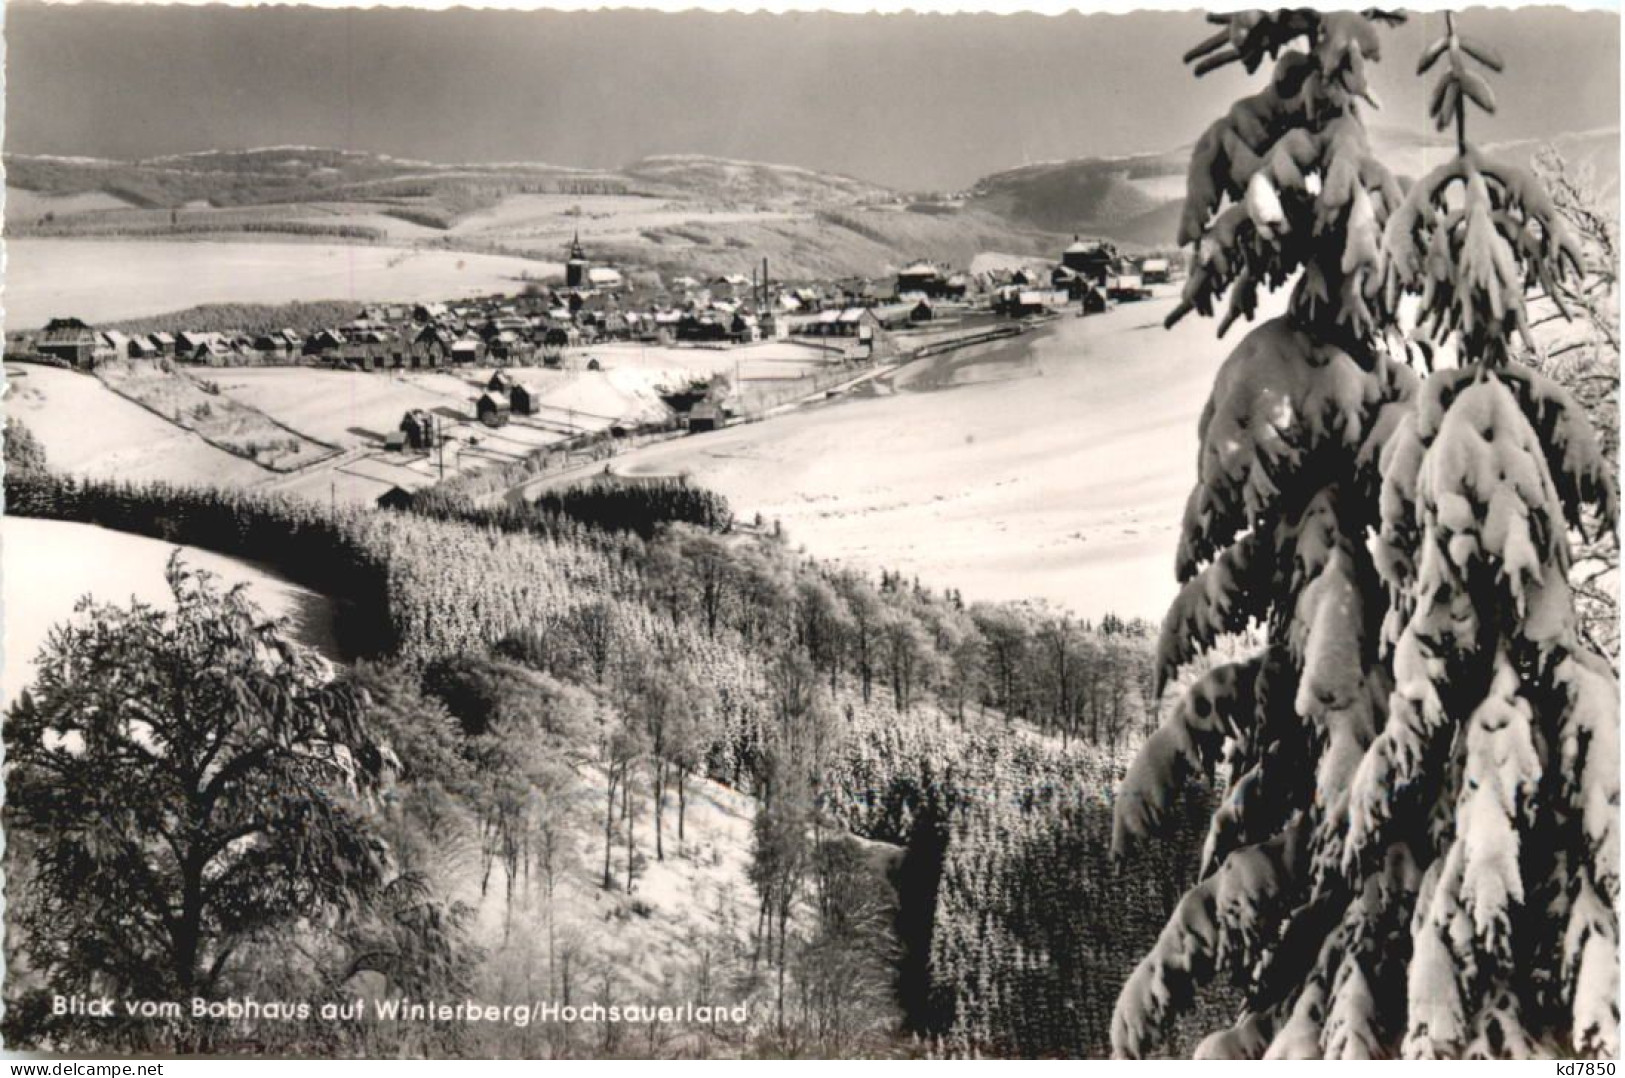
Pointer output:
x,y
682,804
784,916
609,829
660,810
631,840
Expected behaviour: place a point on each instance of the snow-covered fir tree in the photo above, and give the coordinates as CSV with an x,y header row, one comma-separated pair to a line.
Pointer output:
x,y
1417,852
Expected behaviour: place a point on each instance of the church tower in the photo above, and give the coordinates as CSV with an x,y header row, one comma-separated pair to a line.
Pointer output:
x,y
575,271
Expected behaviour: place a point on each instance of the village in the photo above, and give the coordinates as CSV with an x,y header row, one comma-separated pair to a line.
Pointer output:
x,y
402,396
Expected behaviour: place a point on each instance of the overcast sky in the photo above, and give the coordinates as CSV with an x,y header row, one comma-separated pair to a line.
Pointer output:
x,y
911,101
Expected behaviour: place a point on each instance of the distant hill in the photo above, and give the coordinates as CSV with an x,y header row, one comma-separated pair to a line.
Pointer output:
x,y
682,213
298,174
1136,200
1095,195
1412,154
724,180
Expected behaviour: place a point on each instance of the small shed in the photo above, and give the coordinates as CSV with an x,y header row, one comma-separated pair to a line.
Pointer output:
x,y
395,498
494,410
501,382
395,441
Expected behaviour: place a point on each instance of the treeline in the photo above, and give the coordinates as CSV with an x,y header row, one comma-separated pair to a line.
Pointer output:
x,y
301,316
965,733
641,508
94,226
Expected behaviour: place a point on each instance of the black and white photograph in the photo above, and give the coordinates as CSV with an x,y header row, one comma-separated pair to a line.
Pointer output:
x,y
639,534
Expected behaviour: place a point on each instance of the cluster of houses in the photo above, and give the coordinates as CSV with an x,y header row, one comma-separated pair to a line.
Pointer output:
x,y
596,304
1090,274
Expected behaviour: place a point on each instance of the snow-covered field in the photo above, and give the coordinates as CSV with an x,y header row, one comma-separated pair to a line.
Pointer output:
x,y
87,429
348,408
24,205
765,361
1063,481
49,564
102,280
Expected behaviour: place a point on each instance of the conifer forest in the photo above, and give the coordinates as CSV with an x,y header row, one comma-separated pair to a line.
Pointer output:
x,y
624,741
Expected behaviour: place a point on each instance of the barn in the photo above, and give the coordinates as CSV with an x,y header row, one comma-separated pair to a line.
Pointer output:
x,y
70,340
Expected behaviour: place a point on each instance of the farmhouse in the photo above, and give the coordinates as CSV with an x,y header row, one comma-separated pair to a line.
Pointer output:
x,y
189,342
271,343
921,277
1026,302
323,342
466,350
419,426
71,340
164,343
493,409
701,328
1127,288
1092,259
432,346
924,279
211,348
113,345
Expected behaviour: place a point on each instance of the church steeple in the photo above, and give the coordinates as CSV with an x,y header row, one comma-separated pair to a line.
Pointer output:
x,y
575,271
